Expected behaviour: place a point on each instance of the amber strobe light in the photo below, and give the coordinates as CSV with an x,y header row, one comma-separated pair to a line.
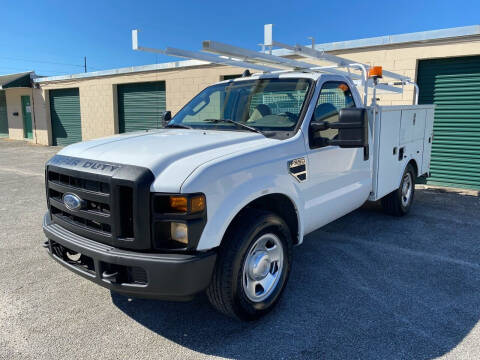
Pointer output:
x,y
375,72
181,204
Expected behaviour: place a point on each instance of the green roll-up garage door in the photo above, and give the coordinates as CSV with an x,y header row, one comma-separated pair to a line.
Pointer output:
x,y
3,115
453,84
141,106
65,115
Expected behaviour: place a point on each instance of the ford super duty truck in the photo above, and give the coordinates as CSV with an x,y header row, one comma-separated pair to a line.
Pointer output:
x,y
217,199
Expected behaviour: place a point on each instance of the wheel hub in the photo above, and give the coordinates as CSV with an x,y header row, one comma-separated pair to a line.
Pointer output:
x,y
263,267
259,265
407,189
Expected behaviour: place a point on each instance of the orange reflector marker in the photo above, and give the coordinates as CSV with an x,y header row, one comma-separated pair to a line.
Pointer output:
x,y
197,203
375,71
178,203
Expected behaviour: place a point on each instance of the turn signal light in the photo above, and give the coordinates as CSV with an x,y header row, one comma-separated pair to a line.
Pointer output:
x,y
183,204
178,203
197,203
375,71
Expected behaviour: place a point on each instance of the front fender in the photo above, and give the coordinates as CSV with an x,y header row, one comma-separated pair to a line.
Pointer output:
x,y
232,182
223,209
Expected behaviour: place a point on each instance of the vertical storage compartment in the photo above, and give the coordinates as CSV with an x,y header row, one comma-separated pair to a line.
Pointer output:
x,y
400,134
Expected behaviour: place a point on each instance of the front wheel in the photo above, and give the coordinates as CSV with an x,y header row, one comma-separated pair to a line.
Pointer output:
x,y
252,267
399,202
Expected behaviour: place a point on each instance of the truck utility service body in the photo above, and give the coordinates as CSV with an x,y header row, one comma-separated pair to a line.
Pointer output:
x,y
157,213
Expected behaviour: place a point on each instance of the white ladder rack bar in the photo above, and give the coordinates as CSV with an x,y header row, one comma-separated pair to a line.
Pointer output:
x,y
254,56
250,55
198,56
226,54
311,52
217,59
219,48
321,55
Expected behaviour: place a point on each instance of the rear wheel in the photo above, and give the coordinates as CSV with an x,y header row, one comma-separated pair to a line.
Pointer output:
x,y
398,202
252,267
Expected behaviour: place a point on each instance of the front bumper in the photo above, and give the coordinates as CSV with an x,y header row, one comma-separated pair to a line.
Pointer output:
x,y
162,276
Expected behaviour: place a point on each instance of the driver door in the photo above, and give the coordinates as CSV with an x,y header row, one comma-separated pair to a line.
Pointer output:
x,y
339,178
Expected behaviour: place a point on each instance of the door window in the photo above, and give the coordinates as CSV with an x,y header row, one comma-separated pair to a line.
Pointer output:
x,y
334,96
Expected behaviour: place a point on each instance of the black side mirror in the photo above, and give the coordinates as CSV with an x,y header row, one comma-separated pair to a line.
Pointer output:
x,y
167,116
352,128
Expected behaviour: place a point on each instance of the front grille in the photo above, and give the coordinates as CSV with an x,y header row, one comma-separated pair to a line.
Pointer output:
x,y
86,184
95,214
114,200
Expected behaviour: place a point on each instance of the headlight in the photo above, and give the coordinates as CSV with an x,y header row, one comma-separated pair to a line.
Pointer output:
x,y
177,220
179,232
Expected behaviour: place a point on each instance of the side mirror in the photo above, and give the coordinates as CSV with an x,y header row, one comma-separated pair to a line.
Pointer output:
x,y
166,117
352,128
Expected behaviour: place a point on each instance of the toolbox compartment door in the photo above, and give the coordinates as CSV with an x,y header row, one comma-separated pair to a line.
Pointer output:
x,y
387,147
427,141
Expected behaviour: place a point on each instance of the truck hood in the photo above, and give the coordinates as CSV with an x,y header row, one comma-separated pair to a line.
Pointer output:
x,y
177,152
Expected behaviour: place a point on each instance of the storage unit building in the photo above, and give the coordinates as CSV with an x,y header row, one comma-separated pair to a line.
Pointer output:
x,y
16,110
140,106
453,84
65,116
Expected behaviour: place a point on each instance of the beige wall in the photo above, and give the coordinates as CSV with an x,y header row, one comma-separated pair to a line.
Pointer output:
x,y
14,105
42,127
98,99
39,117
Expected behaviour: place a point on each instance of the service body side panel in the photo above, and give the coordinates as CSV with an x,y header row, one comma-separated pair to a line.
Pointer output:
x,y
402,134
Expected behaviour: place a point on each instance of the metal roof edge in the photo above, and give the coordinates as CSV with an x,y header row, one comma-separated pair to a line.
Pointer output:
x,y
125,70
422,36
16,80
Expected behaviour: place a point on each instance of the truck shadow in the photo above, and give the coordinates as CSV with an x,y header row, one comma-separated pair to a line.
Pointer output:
x,y
365,286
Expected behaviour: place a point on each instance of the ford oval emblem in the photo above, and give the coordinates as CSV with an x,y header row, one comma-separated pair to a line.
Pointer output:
x,y
72,201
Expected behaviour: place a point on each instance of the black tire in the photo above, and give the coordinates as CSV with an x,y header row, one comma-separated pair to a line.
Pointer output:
x,y
226,291
394,203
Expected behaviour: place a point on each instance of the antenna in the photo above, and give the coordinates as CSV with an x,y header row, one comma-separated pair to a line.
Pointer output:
x,y
135,39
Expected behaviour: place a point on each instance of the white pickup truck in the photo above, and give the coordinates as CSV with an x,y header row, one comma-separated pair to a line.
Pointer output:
x,y
217,199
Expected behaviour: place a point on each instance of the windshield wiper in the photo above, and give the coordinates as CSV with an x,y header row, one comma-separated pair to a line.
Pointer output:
x,y
178,126
235,123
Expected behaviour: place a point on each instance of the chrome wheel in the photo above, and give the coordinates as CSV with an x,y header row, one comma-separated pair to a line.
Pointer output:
x,y
263,267
407,189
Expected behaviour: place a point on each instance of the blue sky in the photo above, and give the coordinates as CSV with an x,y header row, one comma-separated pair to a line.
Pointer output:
x,y
52,37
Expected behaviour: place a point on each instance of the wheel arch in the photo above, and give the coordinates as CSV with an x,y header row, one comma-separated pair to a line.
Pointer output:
x,y
414,164
279,204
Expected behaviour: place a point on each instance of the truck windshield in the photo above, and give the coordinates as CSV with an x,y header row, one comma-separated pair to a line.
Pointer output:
x,y
262,104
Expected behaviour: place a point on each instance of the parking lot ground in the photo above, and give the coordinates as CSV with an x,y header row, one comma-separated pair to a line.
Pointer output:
x,y
366,286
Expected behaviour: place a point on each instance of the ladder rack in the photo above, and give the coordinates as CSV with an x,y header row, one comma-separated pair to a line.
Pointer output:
x,y
225,54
